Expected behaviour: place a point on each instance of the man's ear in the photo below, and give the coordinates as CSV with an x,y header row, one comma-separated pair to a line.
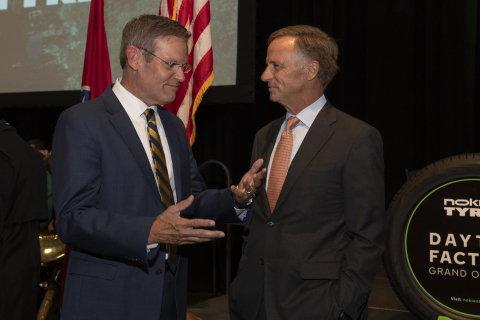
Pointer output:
x,y
312,70
133,57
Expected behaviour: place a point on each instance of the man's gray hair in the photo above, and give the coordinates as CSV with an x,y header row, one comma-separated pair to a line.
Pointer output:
x,y
313,44
144,30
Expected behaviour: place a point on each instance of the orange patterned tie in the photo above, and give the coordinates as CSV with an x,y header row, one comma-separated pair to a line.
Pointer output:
x,y
279,168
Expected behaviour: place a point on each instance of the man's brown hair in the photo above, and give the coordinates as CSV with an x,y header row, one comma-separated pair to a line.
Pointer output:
x,y
313,44
144,30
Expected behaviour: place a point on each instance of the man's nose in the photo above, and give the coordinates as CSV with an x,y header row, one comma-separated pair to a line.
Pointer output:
x,y
266,75
180,75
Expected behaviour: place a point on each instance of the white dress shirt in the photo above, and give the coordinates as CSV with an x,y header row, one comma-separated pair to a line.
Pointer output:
x,y
135,109
306,117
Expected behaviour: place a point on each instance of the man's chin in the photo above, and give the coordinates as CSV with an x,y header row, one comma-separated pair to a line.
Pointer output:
x,y
168,100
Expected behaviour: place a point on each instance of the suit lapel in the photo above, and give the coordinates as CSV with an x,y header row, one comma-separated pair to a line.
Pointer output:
x,y
316,137
124,126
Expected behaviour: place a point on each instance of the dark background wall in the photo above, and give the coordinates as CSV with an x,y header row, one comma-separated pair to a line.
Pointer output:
x,y
407,67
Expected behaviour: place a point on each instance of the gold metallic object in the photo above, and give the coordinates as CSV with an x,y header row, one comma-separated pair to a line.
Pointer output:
x,y
51,247
46,305
190,316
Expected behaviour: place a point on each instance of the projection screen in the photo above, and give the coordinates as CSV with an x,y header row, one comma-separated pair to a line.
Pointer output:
x,y
44,41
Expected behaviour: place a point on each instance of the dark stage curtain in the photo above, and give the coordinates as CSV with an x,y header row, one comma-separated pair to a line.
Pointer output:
x,y
409,68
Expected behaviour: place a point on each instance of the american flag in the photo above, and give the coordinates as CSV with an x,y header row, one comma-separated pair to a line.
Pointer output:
x,y
195,16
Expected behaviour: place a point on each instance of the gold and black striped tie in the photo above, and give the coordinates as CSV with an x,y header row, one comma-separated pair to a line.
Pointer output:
x,y
161,171
159,159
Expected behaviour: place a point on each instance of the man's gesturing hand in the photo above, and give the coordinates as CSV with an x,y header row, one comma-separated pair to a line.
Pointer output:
x,y
170,228
249,184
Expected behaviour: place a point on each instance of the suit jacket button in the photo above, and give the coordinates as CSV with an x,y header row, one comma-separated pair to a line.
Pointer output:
x,y
270,223
261,262
158,271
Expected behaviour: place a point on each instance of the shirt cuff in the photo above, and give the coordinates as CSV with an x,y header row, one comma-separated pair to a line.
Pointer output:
x,y
151,246
241,213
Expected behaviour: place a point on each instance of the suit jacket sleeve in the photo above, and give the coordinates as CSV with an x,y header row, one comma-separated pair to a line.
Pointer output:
x,y
76,174
364,220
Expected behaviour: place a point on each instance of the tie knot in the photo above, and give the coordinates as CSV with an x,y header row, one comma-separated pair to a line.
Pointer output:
x,y
149,114
291,123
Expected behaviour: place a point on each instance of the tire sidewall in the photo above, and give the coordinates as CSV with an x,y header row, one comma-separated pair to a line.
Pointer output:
x,y
399,213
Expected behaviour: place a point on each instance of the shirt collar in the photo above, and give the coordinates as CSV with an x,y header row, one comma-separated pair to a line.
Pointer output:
x,y
308,115
132,105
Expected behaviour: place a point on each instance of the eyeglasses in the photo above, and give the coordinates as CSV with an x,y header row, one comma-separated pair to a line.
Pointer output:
x,y
172,65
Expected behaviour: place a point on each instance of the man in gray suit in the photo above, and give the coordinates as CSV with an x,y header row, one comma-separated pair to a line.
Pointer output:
x,y
312,247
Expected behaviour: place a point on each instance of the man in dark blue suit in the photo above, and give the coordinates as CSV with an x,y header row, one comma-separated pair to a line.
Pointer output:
x,y
126,207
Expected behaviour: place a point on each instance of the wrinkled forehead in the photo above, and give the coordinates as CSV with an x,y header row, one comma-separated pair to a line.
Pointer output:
x,y
167,42
282,49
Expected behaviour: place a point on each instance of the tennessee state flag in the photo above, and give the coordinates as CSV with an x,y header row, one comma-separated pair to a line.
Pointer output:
x,y
97,74
194,15
96,67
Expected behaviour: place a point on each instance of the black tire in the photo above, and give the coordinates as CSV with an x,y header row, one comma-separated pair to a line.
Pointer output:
x,y
399,212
